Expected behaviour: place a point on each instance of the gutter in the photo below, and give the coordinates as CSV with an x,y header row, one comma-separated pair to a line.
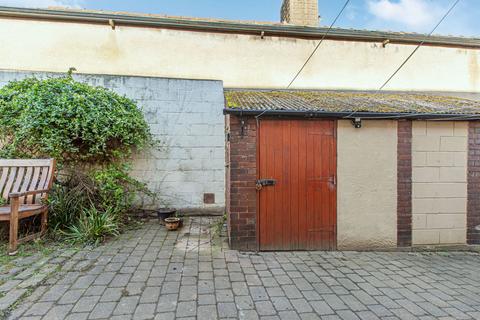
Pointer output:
x,y
349,115
234,27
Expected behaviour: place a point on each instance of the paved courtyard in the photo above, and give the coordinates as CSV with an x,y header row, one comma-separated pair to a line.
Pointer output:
x,y
153,274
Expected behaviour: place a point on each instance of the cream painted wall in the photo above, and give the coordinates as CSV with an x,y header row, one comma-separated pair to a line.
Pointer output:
x,y
367,185
439,174
238,60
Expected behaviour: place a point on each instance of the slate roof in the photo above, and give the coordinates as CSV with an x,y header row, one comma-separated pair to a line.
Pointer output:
x,y
347,102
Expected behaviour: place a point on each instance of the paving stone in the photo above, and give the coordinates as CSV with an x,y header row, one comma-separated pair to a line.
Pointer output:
x,y
9,285
85,304
207,312
12,297
145,311
227,310
112,294
282,303
77,316
188,293
126,305
244,302
83,282
258,293
39,309
289,315
102,310
149,273
150,295
206,299
167,302
248,315
186,309
265,308
322,308
165,316
301,305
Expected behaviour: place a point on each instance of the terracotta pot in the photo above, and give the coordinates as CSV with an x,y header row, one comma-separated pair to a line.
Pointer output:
x,y
172,223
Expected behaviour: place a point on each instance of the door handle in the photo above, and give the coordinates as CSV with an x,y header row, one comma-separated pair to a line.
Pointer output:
x,y
260,183
333,180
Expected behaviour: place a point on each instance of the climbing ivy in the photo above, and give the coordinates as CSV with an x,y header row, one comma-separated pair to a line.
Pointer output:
x,y
68,120
91,132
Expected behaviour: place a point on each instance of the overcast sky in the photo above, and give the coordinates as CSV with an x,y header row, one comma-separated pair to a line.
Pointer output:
x,y
395,15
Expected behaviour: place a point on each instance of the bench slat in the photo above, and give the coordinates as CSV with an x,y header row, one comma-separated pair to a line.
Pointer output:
x,y
33,185
25,162
8,186
26,182
3,179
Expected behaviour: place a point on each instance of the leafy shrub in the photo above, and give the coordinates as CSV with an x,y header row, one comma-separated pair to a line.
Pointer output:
x,y
116,189
109,190
93,226
91,131
70,195
68,120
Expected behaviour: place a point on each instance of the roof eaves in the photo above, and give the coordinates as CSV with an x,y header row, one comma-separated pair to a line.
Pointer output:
x,y
353,115
234,27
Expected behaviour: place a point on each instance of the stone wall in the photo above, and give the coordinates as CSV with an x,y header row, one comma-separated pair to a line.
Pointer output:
x,y
439,156
186,117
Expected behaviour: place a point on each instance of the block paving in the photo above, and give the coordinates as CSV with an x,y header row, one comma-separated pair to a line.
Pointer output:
x,y
150,273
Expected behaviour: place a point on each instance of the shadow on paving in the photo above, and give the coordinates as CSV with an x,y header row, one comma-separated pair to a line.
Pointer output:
x,y
150,273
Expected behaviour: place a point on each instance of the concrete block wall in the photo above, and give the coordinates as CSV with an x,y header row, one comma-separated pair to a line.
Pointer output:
x,y
186,117
439,175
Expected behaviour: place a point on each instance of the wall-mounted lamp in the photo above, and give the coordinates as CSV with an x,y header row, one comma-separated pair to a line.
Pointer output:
x,y
111,23
242,128
357,123
262,34
384,43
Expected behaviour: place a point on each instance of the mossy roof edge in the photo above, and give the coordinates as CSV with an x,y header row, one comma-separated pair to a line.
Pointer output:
x,y
348,101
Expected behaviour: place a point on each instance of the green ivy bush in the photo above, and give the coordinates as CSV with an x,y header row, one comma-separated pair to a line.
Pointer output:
x,y
68,120
92,132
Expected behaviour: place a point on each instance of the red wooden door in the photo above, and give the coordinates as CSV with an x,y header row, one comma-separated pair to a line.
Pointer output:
x,y
299,211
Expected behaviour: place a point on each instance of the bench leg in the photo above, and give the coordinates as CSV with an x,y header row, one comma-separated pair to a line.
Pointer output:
x,y
13,243
43,227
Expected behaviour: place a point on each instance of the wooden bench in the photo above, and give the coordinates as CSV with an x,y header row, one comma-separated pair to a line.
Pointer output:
x,y
24,186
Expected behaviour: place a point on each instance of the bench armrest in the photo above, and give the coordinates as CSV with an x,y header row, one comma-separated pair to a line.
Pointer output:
x,y
26,193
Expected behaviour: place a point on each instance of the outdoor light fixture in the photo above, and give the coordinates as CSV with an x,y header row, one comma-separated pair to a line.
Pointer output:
x,y
357,123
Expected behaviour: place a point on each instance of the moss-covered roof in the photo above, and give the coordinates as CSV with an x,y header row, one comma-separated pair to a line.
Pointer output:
x,y
348,101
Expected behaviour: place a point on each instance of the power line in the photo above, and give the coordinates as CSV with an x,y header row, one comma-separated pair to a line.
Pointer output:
x,y
419,45
413,52
318,45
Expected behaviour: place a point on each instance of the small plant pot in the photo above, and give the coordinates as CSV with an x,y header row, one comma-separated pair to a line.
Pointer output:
x,y
172,223
164,213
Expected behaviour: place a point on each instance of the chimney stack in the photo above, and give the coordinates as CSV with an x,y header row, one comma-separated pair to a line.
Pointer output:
x,y
300,12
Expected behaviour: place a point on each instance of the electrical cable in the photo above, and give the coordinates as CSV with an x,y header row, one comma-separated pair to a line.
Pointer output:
x,y
318,45
413,52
